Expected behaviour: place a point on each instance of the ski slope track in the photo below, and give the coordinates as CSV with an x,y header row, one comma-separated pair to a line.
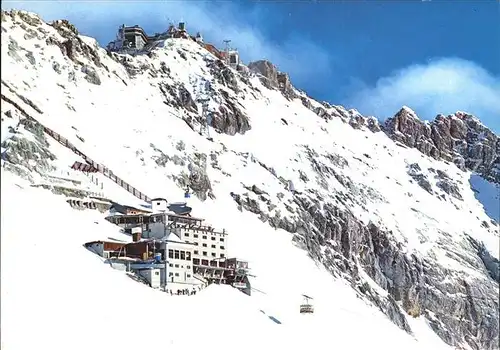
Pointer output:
x,y
378,224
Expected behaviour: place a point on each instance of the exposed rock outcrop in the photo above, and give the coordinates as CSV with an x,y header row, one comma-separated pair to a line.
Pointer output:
x,y
285,86
229,119
416,286
65,28
91,75
223,74
453,302
491,263
268,73
186,100
351,117
197,181
25,154
460,138
272,78
415,172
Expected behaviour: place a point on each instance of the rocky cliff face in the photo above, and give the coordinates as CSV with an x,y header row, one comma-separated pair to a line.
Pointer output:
x,y
459,138
272,78
462,309
415,285
268,72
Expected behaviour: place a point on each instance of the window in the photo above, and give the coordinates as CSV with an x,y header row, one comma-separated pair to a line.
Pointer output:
x,y
196,261
195,236
213,238
176,254
183,255
196,252
204,262
170,274
204,237
176,274
204,253
188,256
222,255
176,266
170,253
188,275
186,234
195,243
214,246
171,265
204,244
222,239
158,203
157,273
213,254
188,267
221,247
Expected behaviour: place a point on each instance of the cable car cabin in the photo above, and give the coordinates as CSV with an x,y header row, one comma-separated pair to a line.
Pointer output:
x,y
306,307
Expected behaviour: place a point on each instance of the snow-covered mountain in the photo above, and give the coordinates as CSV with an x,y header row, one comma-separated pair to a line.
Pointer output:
x,y
378,223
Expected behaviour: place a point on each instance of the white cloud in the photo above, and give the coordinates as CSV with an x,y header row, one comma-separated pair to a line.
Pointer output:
x,y
217,21
445,85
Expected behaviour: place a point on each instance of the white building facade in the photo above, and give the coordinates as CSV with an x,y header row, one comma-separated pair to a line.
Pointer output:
x,y
209,246
159,205
179,263
153,276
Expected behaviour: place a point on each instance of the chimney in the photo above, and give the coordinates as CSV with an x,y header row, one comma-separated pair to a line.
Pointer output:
x,y
136,234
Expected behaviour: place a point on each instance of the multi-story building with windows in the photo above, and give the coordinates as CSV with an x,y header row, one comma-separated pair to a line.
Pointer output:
x,y
178,262
134,38
192,250
210,246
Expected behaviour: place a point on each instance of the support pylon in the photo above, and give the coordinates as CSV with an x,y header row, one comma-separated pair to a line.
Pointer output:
x,y
205,125
226,49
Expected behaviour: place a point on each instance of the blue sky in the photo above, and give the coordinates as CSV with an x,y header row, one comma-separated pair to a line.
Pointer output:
x,y
434,56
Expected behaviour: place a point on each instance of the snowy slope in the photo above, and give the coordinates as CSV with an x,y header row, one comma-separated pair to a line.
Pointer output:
x,y
75,301
488,194
130,122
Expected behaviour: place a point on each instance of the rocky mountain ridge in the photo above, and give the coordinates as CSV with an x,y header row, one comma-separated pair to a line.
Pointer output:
x,y
459,138
324,208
